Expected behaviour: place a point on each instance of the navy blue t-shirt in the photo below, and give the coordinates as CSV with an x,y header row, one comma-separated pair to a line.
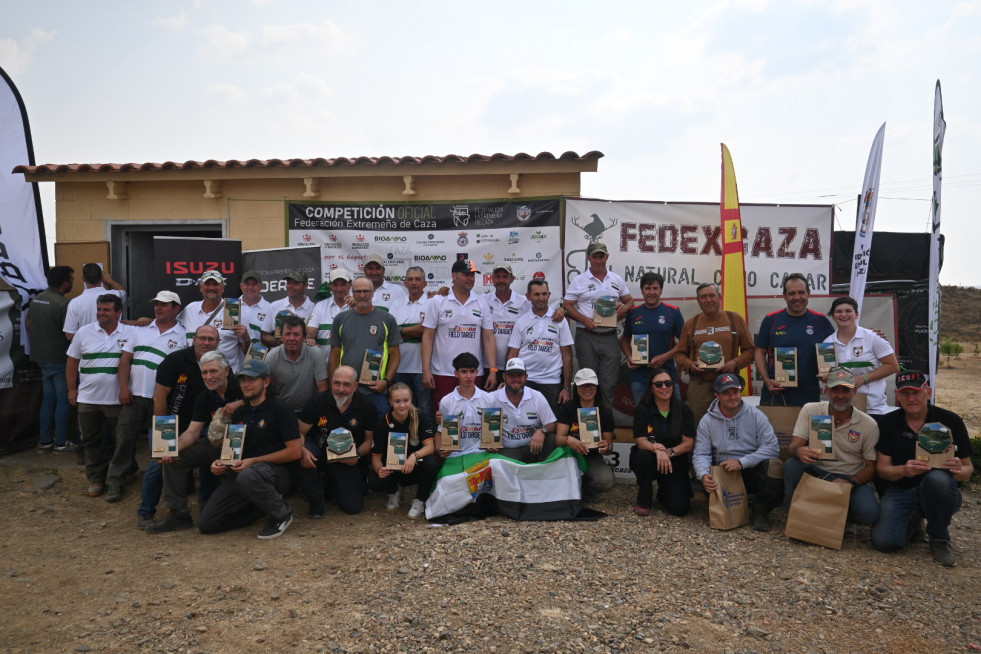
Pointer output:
x,y
663,325
780,329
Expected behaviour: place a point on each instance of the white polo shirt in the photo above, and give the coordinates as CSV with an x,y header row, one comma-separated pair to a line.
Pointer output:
x,y
587,288
193,316
303,311
458,330
503,315
81,309
149,347
455,404
258,317
388,295
408,314
322,317
518,423
98,355
539,340
863,354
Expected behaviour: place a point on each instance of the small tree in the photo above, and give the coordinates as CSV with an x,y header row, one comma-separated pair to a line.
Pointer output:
x,y
949,348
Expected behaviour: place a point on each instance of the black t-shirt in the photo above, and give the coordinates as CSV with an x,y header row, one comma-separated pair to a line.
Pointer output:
x,y
650,424
269,426
181,373
209,402
567,415
898,441
321,411
388,424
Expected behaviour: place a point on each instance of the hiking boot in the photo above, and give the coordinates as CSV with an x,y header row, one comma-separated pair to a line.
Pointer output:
x,y
45,448
275,528
394,500
642,511
114,494
942,552
417,509
144,521
317,509
173,522
759,518
95,490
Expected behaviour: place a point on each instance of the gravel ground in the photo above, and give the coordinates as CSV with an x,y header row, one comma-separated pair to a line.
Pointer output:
x,y
76,575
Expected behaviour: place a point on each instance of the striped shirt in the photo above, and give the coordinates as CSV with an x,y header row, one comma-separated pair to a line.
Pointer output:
x,y
149,347
98,355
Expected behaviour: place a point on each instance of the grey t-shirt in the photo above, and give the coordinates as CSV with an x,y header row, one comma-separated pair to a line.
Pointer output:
x,y
354,333
296,381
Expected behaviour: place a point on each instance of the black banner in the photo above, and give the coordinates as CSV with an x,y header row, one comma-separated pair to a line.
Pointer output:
x,y
180,262
273,264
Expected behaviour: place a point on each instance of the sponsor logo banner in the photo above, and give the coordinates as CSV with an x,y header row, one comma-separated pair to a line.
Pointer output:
x,y
180,262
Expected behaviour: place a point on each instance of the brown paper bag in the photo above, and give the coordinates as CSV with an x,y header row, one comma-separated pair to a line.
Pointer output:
x,y
783,419
729,504
818,512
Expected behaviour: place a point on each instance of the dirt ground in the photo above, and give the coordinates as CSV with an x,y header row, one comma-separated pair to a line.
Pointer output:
x,y
77,575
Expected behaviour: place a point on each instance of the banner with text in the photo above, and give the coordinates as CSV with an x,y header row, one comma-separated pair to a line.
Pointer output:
x,y
180,261
683,242
524,234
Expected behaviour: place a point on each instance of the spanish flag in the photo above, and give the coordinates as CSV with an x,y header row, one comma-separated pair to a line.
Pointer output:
x,y
733,264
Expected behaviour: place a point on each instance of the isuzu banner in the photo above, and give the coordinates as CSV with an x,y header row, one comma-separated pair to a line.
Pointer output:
x,y
683,242
180,261
522,233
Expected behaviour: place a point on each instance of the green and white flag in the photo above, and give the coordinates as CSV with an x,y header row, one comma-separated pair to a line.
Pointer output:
x,y
549,490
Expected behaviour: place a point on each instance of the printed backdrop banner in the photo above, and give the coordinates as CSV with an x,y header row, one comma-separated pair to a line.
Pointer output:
x,y
273,264
523,233
180,261
683,242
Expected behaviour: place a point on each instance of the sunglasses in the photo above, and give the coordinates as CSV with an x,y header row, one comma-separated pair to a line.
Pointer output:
x,y
662,384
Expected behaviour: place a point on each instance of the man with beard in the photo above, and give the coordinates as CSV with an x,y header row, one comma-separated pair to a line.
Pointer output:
x,y
194,446
527,422
853,438
342,407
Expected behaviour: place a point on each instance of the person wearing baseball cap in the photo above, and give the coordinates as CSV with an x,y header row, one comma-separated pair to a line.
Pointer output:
x,y
853,438
599,477
235,340
528,425
321,320
598,348
911,489
738,437
504,307
386,293
256,314
296,300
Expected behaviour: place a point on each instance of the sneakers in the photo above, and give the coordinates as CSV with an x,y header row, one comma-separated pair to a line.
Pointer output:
x,y
394,500
417,509
317,509
144,521
114,494
942,552
45,448
642,511
63,449
759,518
276,528
95,490
173,522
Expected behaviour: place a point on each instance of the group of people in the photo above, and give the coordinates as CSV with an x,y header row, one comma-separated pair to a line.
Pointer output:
x,y
374,358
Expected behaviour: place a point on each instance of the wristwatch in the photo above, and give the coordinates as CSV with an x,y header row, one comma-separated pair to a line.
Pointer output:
x,y
670,451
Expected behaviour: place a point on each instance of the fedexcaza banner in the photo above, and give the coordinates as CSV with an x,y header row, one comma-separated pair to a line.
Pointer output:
x,y
524,234
683,242
179,263
273,264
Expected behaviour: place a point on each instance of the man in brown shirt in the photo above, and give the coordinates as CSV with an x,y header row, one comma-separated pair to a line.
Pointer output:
x,y
726,328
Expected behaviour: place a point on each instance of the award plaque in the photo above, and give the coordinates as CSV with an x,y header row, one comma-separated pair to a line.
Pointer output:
x,y
490,428
639,350
398,442
231,445
164,437
280,317
339,445
450,434
371,366
233,312
934,444
710,356
820,436
605,311
826,357
257,351
589,426
785,366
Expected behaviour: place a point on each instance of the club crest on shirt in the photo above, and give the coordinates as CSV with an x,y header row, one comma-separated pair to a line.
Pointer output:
x,y
660,320
262,423
857,350
261,317
373,330
853,436
171,344
810,330
353,422
121,342
386,296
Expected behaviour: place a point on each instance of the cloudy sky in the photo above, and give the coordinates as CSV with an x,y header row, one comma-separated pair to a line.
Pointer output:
x,y
796,90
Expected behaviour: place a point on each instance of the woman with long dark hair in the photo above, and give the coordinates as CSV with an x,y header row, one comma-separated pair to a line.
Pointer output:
x,y
664,431
586,393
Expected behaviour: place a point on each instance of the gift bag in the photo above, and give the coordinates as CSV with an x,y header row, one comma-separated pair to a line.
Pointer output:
x,y
729,504
818,512
783,419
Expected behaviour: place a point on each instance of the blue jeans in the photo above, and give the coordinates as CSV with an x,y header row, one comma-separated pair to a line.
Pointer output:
x,y
56,412
863,508
380,400
937,498
422,396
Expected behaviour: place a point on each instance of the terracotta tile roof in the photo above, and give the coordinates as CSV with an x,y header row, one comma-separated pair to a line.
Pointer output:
x,y
319,162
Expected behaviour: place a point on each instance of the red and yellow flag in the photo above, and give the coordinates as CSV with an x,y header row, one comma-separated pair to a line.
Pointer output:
x,y
733,264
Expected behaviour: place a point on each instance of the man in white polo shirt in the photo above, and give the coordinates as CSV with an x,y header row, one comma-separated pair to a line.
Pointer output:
x,y
142,354
386,294
255,312
465,401
410,314
321,319
92,372
296,300
235,340
455,324
545,346
527,422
